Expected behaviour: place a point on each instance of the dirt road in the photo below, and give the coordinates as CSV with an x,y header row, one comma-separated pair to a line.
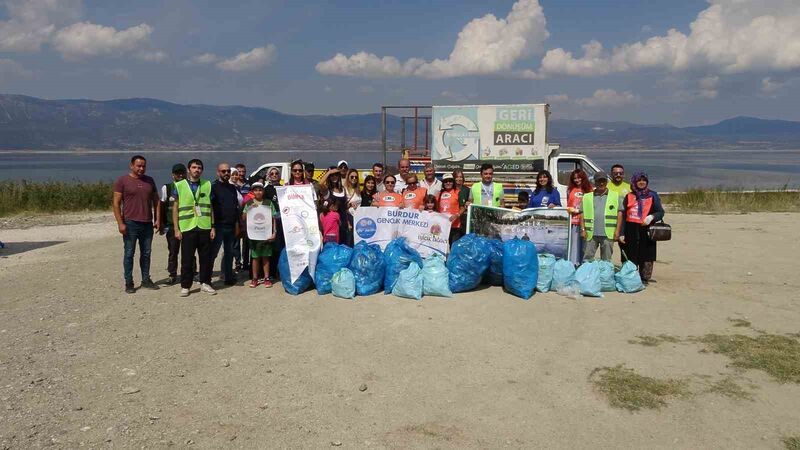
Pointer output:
x,y
82,364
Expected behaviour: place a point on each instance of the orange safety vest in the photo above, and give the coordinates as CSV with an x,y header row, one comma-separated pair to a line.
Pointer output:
x,y
414,199
388,199
632,209
574,200
448,204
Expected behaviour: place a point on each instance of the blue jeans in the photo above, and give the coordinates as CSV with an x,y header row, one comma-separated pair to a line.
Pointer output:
x,y
142,232
225,237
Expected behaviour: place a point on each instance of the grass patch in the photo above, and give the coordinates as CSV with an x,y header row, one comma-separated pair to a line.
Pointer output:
x,y
777,355
727,201
791,442
626,389
729,388
654,341
740,322
53,196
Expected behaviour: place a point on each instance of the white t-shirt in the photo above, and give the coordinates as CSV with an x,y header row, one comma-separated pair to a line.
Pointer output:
x,y
400,184
433,188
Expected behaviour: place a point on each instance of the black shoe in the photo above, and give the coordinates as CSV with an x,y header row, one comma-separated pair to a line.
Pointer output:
x,y
172,281
230,283
147,283
129,289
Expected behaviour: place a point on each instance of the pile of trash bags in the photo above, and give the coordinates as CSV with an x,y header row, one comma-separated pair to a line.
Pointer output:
x,y
474,260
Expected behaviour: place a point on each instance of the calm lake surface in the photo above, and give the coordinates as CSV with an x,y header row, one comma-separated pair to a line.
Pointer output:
x,y
669,170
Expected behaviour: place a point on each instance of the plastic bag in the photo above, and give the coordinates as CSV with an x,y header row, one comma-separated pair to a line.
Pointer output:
x,y
520,267
628,279
398,256
409,282
571,290
434,277
343,283
332,258
546,263
494,276
303,282
368,268
588,277
607,283
563,274
468,262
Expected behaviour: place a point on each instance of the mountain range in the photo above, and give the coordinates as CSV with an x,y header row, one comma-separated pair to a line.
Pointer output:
x,y
142,123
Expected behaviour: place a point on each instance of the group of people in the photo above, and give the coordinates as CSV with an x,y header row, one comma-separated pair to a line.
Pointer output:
x,y
200,217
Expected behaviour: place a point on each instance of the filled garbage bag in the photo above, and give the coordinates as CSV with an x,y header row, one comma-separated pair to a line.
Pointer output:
x,y
563,274
546,263
607,282
588,278
494,276
332,258
368,268
397,257
343,283
409,282
520,267
468,262
434,277
303,282
628,279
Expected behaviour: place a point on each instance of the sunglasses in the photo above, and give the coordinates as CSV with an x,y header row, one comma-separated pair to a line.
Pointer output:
x,y
354,177
388,182
297,170
273,174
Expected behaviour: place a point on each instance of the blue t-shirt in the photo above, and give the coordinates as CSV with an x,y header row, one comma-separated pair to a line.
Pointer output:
x,y
543,198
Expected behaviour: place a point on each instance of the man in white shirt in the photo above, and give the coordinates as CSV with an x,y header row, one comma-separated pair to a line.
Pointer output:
x,y
378,173
403,167
430,182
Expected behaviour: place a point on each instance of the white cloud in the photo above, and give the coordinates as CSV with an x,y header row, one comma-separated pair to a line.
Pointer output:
x,y
770,85
85,39
457,97
202,59
646,29
608,98
486,45
31,23
152,56
708,87
556,98
730,36
252,60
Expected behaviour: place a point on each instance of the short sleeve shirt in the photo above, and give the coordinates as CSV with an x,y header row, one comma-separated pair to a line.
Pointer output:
x,y
137,197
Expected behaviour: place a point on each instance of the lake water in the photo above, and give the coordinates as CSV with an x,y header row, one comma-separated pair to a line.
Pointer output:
x,y
669,170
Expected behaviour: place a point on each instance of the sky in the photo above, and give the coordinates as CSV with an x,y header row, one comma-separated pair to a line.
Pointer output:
x,y
682,62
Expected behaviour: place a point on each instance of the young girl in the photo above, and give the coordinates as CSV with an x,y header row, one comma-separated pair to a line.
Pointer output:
x,y
331,221
260,251
430,203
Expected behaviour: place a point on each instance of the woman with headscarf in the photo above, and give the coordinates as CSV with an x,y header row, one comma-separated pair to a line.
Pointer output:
x,y
579,184
640,208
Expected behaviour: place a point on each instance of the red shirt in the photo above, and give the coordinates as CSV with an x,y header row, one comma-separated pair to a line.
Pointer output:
x,y
330,226
137,197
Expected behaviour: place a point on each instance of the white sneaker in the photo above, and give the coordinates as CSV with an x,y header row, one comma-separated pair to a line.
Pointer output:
x,y
207,289
184,292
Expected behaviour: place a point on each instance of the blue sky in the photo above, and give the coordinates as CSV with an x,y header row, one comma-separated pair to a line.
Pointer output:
x,y
723,58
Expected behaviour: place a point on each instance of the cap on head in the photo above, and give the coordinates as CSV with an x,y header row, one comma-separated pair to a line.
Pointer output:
x,y
448,177
600,176
342,162
179,168
257,185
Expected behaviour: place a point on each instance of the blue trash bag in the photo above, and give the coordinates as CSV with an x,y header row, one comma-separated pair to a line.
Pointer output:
x,y
588,277
563,274
520,267
434,277
607,282
409,282
332,258
468,262
368,268
397,257
343,283
546,263
494,276
628,280
303,282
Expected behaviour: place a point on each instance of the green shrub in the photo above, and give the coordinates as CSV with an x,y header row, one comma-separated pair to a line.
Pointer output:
x,y
18,197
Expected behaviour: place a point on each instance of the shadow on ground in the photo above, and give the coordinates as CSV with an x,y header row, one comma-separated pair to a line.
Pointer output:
x,y
14,248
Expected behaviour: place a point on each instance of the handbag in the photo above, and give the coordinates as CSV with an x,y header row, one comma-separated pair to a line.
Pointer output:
x,y
659,231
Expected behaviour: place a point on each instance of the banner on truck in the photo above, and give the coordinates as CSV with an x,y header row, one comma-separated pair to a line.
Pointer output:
x,y
300,228
548,228
511,137
427,232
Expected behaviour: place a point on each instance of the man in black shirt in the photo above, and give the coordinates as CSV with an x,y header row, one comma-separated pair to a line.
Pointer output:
x,y
225,202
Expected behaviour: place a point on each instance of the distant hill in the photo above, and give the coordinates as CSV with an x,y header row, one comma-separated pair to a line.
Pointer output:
x,y
32,123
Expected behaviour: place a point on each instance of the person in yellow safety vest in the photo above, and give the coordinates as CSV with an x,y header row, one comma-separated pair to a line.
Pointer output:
x,y
618,184
195,230
487,192
600,207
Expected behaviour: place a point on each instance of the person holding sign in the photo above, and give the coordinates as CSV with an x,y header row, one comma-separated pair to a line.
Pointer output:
x,y
449,204
388,197
487,192
545,195
259,216
414,194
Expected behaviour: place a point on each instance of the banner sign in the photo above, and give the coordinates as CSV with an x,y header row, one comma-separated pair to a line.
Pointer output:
x,y
426,232
511,137
300,228
259,223
548,228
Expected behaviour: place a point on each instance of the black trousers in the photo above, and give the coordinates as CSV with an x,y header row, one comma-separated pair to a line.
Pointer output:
x,y
195,241
174,248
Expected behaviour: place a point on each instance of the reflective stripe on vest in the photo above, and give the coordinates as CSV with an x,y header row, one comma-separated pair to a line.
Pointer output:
x,y
632,209
188,200
477,193
610,214
166,207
